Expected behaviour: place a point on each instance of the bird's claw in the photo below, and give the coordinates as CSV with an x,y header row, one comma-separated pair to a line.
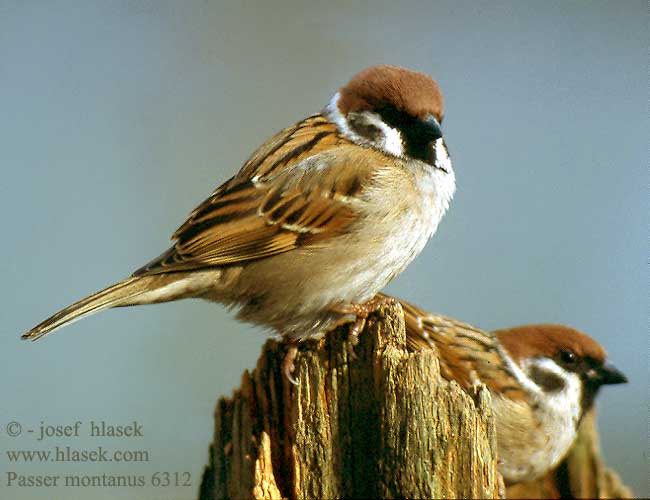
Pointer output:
x,y
288,366
361,313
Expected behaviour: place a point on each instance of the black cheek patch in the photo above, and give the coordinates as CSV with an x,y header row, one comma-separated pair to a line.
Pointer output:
x,y
365,130
548,381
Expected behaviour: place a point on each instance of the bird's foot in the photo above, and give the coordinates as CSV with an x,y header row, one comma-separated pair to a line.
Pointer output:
x,y
361,312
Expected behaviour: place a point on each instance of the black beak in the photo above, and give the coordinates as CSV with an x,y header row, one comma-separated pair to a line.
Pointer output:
x,y
431,128
606,375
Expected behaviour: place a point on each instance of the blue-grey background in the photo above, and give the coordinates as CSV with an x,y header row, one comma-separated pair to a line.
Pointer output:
x,y
117,118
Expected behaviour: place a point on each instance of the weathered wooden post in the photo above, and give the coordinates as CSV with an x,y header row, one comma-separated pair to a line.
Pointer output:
x,y
384,425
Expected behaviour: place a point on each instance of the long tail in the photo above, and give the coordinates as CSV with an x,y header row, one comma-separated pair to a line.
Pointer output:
x,y
131,291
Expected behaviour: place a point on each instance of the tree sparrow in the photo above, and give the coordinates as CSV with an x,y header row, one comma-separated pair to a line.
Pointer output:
x,y
317,221
542,378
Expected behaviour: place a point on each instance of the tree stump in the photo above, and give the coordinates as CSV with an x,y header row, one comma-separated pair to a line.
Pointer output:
x,y
384,425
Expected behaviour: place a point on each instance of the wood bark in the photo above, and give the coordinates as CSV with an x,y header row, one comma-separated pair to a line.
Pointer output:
x,y
383,425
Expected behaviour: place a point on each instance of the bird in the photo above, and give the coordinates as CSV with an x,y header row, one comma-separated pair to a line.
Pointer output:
x,y
542,380
320,217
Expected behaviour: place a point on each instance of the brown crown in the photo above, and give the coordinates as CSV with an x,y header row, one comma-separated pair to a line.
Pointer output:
x,y
409,91
548,340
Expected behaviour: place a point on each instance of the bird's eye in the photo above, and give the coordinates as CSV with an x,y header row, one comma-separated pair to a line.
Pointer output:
x,y
567,357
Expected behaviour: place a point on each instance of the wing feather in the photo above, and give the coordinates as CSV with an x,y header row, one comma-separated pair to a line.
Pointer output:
x,y
467,354
276,203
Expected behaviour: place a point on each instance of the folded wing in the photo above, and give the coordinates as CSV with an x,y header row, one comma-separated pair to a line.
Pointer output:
x,y
275,204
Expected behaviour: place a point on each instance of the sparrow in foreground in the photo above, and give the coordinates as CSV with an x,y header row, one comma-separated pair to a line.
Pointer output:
x,y
316,222
542,379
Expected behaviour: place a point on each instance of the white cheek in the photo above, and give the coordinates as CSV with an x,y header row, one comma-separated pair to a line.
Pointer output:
x,y
392,139
552,429
442,157
566,403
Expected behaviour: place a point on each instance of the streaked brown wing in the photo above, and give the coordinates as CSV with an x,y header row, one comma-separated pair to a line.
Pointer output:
x,y
467,354
271,206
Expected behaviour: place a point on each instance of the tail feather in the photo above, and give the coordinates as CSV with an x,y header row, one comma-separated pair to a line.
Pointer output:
x,y
119,294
